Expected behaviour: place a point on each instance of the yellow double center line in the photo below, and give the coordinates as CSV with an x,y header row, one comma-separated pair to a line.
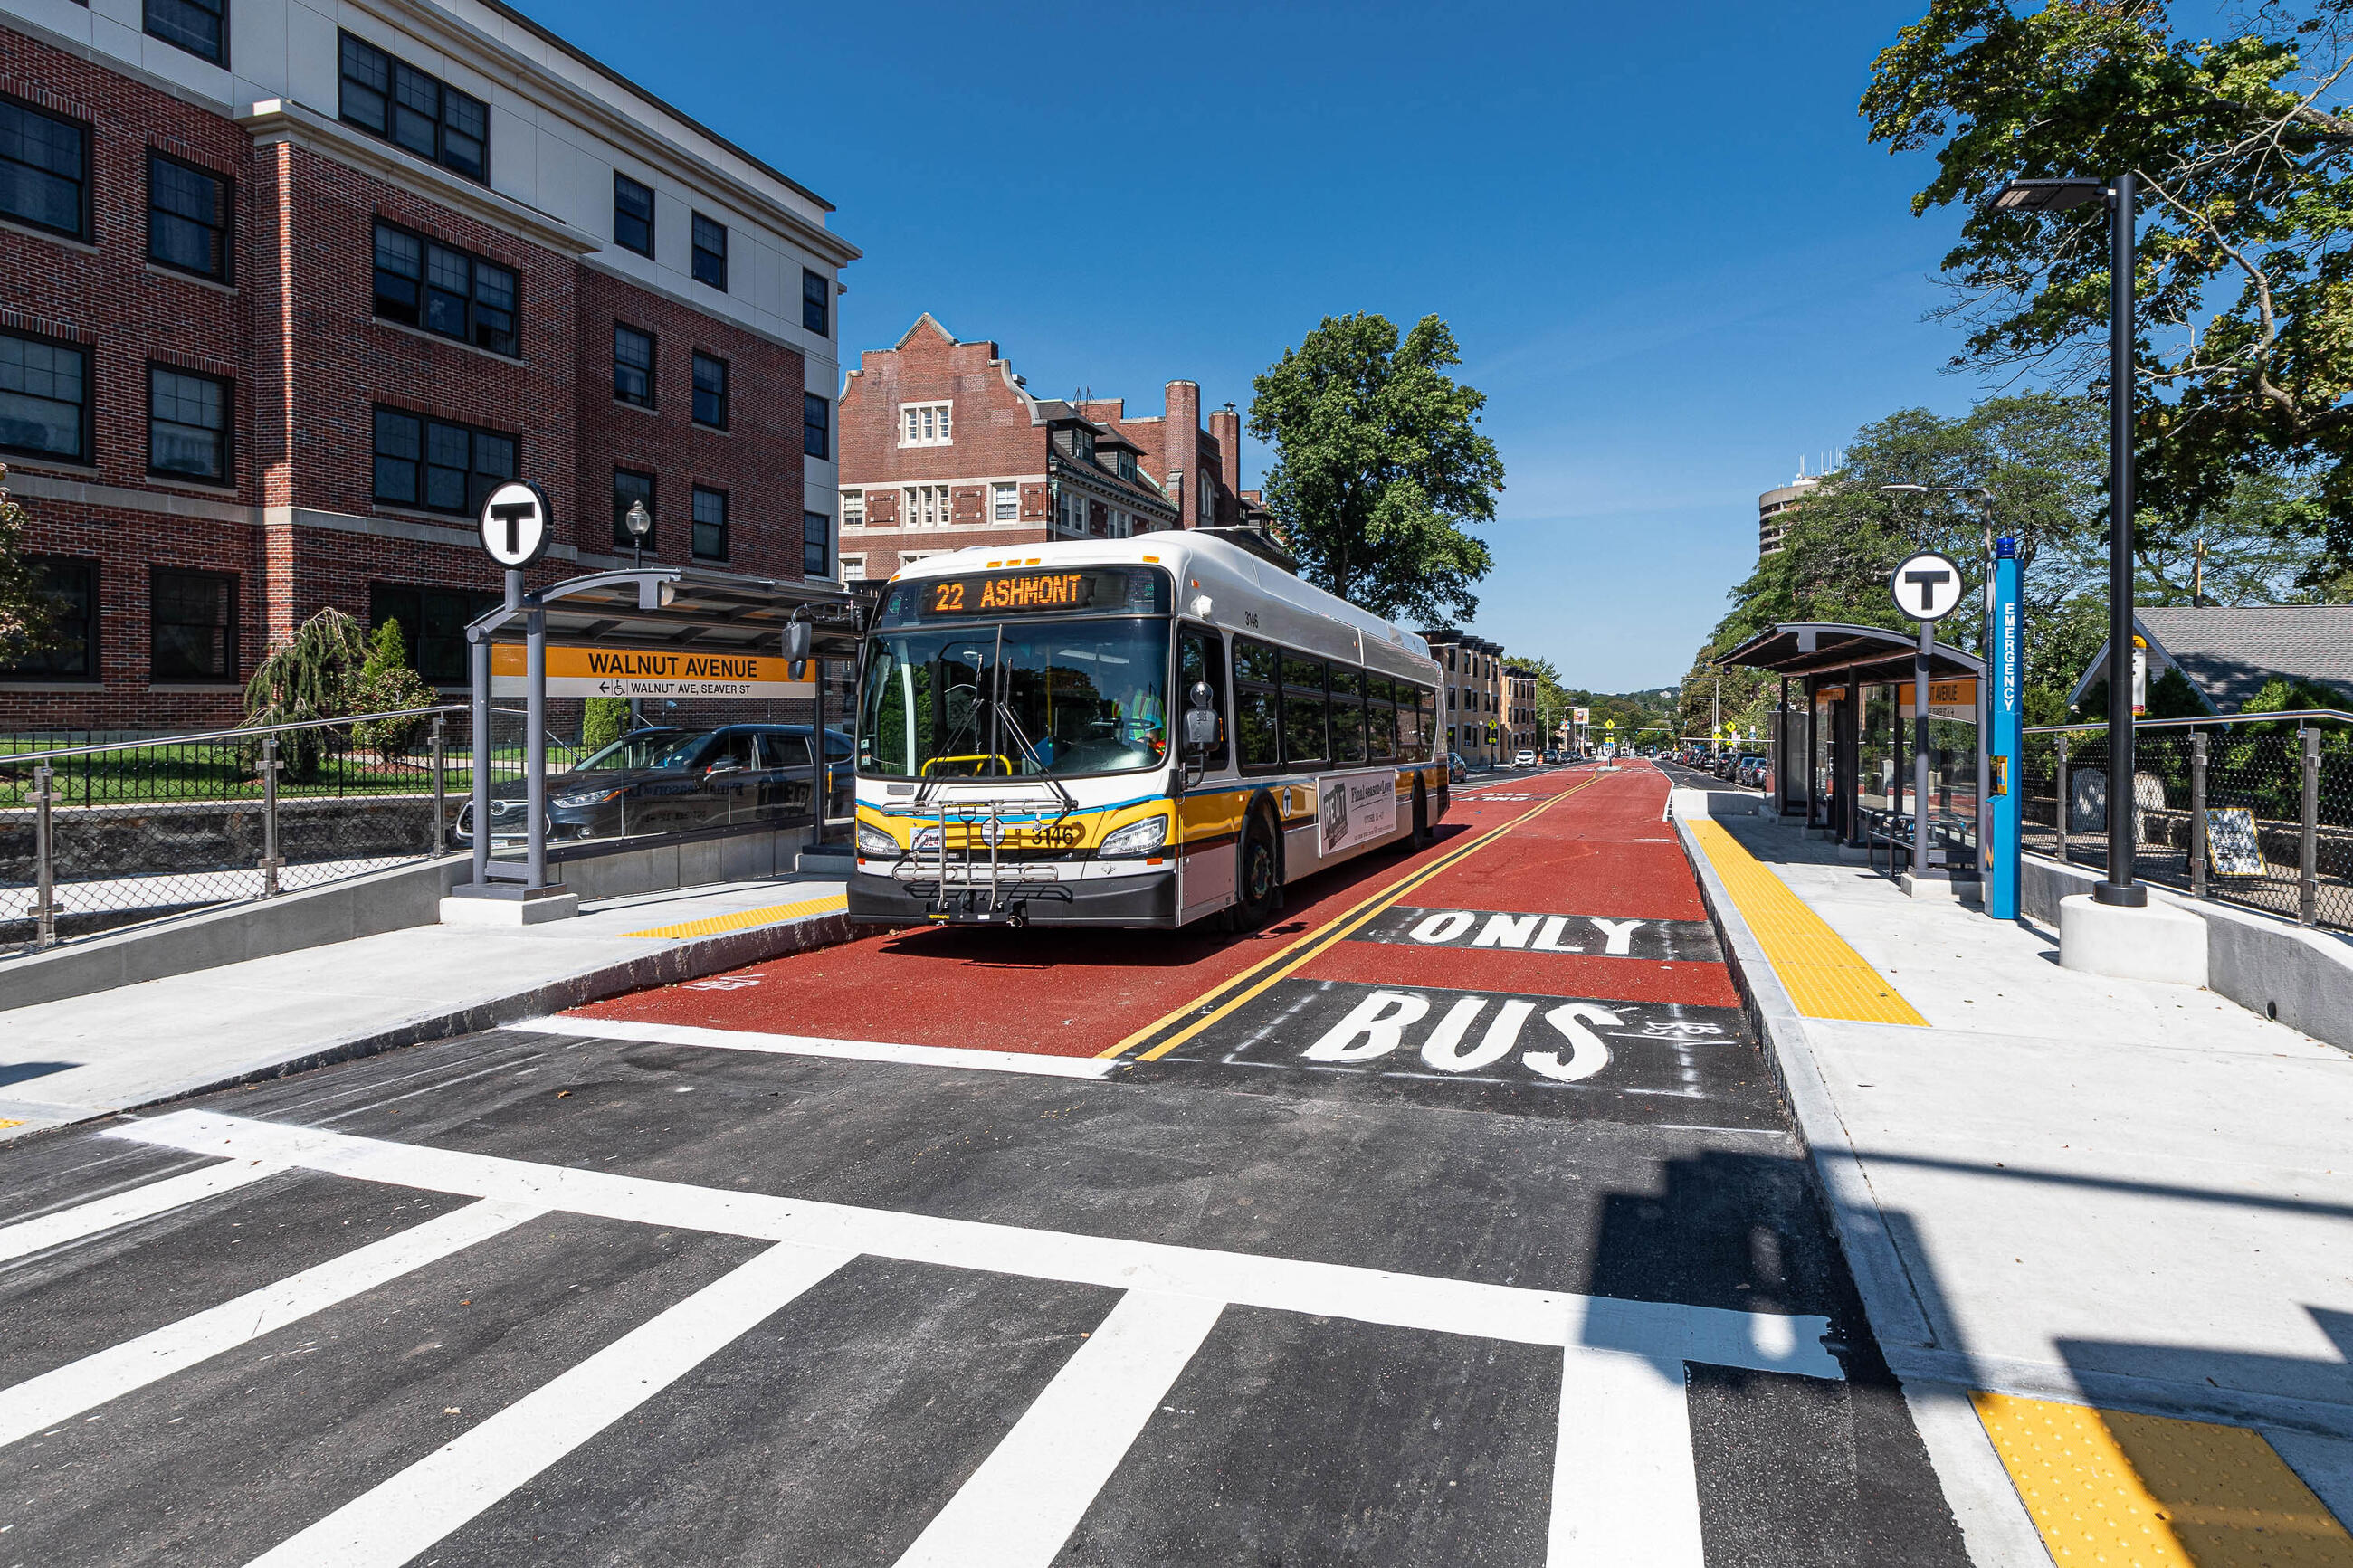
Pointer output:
x,y
1281,965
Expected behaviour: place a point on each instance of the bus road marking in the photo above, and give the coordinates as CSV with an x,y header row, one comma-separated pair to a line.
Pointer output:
x,y
1201,1012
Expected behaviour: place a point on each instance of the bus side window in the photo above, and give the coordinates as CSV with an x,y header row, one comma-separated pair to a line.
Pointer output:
x,y
1201,657
1258,713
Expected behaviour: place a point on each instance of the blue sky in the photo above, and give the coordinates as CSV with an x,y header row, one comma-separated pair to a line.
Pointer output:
x,y
1672,261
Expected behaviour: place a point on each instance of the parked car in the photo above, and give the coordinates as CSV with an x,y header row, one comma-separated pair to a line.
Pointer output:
x,y
671,779
1457,770
1525,759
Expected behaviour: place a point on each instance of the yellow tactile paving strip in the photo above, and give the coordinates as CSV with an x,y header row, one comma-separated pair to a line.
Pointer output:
x,y
1824,976
2105,1486
744,919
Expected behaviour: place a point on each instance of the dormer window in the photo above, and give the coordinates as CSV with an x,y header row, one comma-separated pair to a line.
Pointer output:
x,y
925,424
1127,467
1082,443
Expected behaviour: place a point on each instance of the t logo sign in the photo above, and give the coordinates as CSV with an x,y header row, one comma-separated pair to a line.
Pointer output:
x,y
516,524
1926,588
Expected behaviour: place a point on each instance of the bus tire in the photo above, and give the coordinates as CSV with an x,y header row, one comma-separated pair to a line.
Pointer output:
x,y
1257,876
1424,836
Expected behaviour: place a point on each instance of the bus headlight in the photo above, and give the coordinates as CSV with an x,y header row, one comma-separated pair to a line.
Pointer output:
x,y
1135,838
876,845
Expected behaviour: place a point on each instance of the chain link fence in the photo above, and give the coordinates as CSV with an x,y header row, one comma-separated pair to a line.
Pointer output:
x,y
111,832
2253,810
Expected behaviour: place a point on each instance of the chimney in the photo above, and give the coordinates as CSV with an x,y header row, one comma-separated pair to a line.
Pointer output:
x,y
1227,427
1180,446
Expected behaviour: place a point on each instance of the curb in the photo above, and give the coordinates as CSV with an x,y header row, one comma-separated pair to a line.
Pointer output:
x,y
1985,1503
688,959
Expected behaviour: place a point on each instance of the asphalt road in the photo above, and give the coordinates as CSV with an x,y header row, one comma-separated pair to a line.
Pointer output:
x,y
1453,1221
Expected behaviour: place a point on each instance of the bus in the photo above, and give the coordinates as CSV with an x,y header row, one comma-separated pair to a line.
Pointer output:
x,y
1146,731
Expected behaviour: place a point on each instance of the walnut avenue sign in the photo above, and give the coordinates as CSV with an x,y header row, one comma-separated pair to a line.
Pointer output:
x,y
645,672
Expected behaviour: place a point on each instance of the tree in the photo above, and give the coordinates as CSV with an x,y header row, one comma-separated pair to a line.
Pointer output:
x,y
603,721
308,676
1380,469
28,619
2246,278
385,684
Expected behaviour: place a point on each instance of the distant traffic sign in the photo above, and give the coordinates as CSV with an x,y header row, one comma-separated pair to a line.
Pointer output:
x,y
517,523
1927,587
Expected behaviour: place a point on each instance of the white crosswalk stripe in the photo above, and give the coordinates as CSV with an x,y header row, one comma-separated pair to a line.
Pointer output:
x,y
90,1382
394,1523
1624,1481
28,1236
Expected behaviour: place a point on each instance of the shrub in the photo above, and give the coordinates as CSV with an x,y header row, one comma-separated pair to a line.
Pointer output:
x,y
603,720
385,683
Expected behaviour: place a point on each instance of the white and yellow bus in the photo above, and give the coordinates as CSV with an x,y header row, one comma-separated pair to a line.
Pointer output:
x,y
1144,732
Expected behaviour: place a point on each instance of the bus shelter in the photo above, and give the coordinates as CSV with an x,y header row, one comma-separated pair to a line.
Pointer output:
x,y
711,635
1842,743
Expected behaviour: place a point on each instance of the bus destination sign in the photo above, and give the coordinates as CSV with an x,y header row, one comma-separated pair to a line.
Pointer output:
x,y
1010,594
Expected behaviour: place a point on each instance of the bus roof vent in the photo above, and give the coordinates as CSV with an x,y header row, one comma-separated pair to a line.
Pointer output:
x,y
1258,541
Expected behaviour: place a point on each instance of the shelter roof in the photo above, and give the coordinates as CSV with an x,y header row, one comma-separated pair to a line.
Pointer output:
x,y
1828,647
684,609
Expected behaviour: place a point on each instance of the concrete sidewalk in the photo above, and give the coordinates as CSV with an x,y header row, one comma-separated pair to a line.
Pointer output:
x,y
2093,1196
82,1057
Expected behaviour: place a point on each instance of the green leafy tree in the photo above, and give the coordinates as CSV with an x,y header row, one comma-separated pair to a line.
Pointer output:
x,y
603,721
27,620
2245,158
386,684
1380,471
309,675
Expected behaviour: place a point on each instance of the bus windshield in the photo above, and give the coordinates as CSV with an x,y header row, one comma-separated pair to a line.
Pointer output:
x,y
1016,701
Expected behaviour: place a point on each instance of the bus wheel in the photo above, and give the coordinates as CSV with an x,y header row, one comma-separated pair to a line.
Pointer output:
x,y
1257,892
1423,835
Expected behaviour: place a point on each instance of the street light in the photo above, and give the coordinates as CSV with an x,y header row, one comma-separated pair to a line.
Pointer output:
x,y
639,522
2062,196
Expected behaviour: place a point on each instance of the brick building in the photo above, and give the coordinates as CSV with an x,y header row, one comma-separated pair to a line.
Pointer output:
x,y
1520,705
943,446
285,288
1475,697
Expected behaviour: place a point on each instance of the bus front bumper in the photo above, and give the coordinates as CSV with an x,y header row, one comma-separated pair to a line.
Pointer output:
x,y
1148,898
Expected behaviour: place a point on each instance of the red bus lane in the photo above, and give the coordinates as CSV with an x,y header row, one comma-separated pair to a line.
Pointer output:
x,y
1549,953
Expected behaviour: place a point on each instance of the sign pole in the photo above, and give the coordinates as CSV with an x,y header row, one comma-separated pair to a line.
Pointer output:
x,y
1926,588
535,754
2006,682
480,787
1920,749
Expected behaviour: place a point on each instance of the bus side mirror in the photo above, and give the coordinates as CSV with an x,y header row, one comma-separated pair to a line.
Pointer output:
x,y
798,636
1200,717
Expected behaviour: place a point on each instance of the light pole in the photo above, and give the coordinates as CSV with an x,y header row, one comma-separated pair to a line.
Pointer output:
x,y
1714,709
2061,195
639,522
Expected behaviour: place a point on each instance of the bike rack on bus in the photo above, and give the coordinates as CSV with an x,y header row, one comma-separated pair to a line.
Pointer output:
x,y
982,818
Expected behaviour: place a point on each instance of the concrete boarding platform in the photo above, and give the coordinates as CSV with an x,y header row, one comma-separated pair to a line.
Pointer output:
x,y
71,1059
2082,1210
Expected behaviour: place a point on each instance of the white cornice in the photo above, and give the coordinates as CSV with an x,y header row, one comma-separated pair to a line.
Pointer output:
x,y
277,119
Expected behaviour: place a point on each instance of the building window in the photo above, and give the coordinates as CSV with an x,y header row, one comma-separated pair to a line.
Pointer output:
x,y
817,549
44,398
440,289
816,304
70,585
187,219
853,508
44,169
711,391
436,465
432,626
633,214
629,488
925,424
816,425
633,365
923,505
711,253
188,425
404,106
199,26
1006,503
1127,466
191,626
710,507
853,568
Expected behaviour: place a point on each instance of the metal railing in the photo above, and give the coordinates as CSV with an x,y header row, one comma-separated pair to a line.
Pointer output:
x,y
113,832
2278,788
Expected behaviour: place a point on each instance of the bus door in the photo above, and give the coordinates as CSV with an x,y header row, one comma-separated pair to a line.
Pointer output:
x,y
1211,808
